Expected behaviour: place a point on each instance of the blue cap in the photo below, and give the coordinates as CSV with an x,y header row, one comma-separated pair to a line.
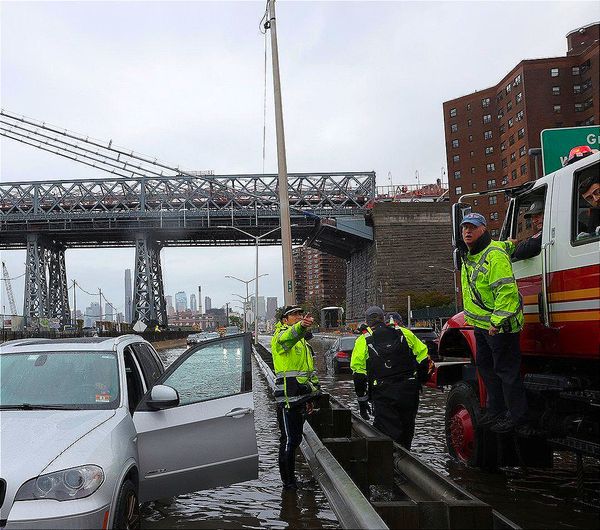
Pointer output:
x,y
475,219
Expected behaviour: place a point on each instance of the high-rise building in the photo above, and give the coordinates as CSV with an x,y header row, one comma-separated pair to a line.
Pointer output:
x,y
489,132
200,300
92,313
320,277
180,301
128,297
207,304
169,303
109,312
261,310
271,307
193,305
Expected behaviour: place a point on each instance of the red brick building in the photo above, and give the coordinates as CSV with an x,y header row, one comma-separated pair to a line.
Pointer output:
x,y
320,277
489,133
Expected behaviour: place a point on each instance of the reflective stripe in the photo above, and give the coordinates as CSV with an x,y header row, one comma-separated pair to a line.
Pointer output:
x,y
482,260
363,398
287,399
484,318
501,313
281,375
502,281
294,332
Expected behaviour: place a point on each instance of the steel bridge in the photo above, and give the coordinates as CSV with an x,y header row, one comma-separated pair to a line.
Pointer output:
x,y
150,213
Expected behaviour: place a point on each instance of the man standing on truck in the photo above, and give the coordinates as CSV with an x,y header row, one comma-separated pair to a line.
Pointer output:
x,y
492,305
389,363
296,385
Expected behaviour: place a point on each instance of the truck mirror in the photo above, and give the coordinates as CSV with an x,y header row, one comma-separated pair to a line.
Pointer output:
x,y
459,210
456,259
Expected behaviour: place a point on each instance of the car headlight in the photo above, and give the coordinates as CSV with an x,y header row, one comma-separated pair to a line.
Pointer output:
x,y
65,485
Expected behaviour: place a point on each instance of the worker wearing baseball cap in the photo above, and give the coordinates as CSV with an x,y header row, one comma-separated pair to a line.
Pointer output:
x,y
492,305
532,246
296,385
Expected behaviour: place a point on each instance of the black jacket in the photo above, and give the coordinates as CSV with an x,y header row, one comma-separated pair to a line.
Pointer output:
x,y
528,248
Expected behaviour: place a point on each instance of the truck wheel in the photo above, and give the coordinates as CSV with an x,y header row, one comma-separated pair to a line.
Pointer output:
x,y
465,440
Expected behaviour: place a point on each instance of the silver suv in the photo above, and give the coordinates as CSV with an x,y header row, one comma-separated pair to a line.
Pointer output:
x,y
91,427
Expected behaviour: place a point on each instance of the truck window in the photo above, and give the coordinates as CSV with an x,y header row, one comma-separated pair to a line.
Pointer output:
x,y
528,224
585,223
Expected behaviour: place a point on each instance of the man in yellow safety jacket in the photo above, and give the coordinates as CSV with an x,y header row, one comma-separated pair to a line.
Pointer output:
x,y
389,364
493,306
296,385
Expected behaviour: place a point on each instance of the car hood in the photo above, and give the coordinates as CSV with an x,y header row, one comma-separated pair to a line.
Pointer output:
x,y
32,439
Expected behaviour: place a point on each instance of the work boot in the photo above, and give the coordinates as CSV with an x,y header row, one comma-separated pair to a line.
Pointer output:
x,y
490,418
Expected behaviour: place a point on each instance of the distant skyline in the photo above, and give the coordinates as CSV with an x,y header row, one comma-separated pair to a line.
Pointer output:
x,y
362,84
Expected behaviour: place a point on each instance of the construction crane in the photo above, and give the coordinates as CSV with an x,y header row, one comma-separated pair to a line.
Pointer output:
x,y
9,292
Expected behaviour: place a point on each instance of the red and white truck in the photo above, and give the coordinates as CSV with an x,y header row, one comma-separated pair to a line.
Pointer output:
x,y
560,341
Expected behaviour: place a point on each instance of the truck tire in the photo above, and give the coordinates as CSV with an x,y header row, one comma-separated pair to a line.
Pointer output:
x,y
465,440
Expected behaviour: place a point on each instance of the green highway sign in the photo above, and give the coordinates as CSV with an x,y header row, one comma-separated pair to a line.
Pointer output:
x,y
556,144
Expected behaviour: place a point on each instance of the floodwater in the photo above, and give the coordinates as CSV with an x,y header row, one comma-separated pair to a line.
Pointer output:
x,y
533,498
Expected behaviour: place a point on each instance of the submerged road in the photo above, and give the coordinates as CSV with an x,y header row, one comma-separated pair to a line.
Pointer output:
x,y
532,498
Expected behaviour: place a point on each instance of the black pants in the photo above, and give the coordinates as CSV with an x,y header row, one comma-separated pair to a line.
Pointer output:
x,y
290,423
395,408
499,364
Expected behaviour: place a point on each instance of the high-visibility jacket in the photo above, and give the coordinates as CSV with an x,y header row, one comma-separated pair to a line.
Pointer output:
x,y
360,352
295,377
489,289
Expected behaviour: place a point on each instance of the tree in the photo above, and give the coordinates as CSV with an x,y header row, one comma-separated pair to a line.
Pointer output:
x,y
234,320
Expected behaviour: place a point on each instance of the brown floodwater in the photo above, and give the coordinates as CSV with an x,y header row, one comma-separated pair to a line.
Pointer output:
x,y
533,498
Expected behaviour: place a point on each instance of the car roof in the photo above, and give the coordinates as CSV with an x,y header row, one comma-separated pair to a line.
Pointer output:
x,y
70,344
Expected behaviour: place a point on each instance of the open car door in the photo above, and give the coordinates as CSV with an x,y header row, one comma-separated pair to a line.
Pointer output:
x,y
207,439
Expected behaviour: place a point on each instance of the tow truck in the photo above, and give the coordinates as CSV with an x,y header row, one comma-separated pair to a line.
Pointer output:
x,y
560,341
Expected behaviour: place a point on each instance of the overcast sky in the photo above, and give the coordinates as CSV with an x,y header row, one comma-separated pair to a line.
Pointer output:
x,y
362,83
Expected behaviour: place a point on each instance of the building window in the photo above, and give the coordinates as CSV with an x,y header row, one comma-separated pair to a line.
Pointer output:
x,y
513,174
474,202
513,157
520,115
494,216
499,97
503,146
472,171
473,185
511,139
487,135
454,127
553,72
470,137
578,107
485,102
556,91
576,89
508,88
521,133
471,154
589,121
454,143
504,180
468,106
502,129
522,151
517,80
489,150
508,105
556,109
452,113
457,174
575,70
469,122
456,158
493,199
523,169
510,122
519,97
458,190
487,118
490,167
504,162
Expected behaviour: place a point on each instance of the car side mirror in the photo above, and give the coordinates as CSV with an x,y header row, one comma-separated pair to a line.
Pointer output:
x,y
163,397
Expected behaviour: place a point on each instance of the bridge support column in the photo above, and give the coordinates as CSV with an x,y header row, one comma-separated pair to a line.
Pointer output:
x,y
149,303
36,286
58,290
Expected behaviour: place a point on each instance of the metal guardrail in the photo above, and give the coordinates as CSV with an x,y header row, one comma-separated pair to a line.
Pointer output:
x,y
351,507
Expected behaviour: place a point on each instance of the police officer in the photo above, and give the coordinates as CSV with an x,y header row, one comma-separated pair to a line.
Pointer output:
x,y
492,305
296,385
388,365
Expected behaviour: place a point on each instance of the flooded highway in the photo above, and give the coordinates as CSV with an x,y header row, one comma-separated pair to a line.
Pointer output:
x,y
533,498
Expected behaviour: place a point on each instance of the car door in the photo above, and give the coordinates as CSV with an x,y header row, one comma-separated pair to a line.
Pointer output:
x,y
208,440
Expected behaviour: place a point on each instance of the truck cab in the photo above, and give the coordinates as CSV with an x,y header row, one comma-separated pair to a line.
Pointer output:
x,y
560,341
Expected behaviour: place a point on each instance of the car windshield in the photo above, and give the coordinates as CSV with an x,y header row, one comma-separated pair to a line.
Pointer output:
x,y
347,343
73,380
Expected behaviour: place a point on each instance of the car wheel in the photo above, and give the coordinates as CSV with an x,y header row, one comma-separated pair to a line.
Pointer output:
x,y
466,441
127,513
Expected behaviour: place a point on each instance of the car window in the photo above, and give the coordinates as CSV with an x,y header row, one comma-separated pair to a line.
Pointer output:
x,y
585,224
148,363
82,380
347,343
211,371
133,376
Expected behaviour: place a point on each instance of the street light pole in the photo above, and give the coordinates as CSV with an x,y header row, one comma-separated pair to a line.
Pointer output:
x,y
453,271
289,294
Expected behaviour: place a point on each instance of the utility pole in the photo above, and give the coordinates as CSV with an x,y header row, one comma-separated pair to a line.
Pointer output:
x,y
74,321
100,299
289,294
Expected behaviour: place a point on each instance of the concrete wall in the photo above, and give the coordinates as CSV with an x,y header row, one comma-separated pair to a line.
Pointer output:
x,y
408,238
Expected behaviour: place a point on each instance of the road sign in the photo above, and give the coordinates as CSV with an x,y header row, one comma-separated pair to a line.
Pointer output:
x,y
139,326
556,144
